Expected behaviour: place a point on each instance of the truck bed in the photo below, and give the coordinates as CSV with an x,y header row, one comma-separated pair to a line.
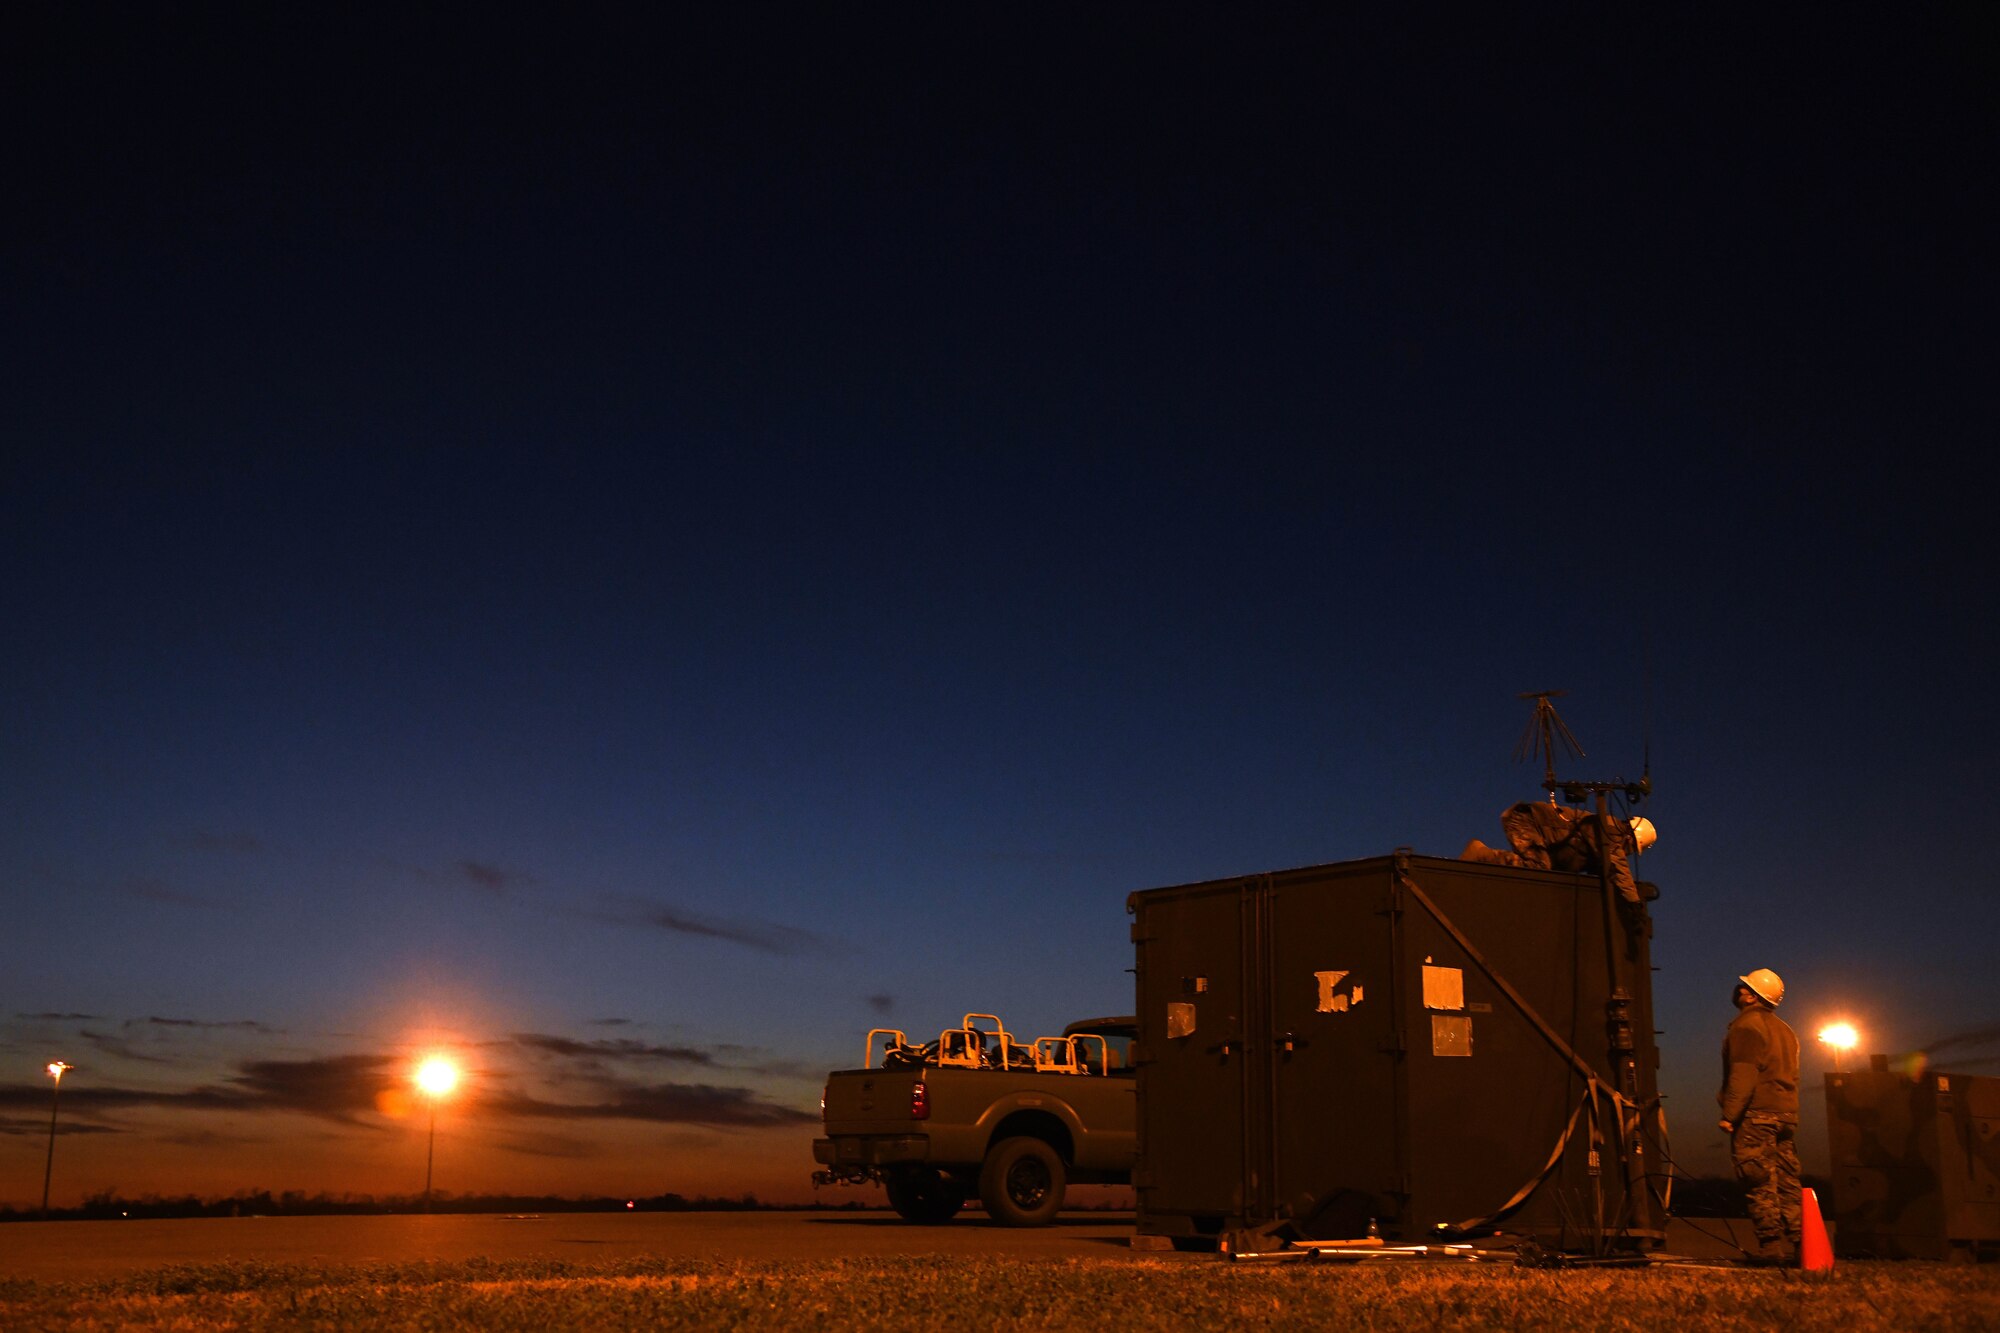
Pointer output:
x,y
869,1122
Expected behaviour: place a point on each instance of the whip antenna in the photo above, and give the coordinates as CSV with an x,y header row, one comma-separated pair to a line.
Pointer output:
x,y
1646,646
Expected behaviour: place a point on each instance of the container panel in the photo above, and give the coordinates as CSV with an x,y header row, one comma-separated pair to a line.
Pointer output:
x,y
1493,1115
1916,1166
1190,1059
1375,1067
1333,1093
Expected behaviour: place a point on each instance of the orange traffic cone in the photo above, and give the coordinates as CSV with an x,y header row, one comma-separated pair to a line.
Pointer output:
x,y
1815,1250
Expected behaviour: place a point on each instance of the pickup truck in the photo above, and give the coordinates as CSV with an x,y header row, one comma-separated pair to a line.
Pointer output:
x,y
976,1112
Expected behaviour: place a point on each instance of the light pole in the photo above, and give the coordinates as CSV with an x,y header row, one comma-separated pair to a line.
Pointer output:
x,y
1842,1038
436,1077
55,1069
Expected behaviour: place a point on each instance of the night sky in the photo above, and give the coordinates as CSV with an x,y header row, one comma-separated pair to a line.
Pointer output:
x,y
635,553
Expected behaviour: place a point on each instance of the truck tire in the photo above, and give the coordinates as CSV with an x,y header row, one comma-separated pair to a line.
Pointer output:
x,y
924,1194
1021,1183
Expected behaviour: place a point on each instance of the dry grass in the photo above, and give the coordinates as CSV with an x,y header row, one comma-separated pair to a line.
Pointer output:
x,y
1096,1294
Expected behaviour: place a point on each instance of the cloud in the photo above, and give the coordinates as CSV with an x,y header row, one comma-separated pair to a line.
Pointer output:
x,y
756,1060
124,1050
813,1073
59,1018
549,1145
766,937
673,1103
339,1088
882,1004
39,1128
612,1048
239,1024
346,1089
159,891
85,1098
489,877
1976,1037
612,1022
206,1138
336,1087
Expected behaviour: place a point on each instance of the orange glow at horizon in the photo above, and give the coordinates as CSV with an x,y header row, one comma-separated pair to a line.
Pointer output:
x,y
437,1076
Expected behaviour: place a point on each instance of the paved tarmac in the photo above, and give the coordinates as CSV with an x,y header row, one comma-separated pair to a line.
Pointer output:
x,y
83,1251
71,1251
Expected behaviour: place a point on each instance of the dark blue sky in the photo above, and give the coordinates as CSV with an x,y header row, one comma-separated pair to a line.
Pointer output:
x,y
557,527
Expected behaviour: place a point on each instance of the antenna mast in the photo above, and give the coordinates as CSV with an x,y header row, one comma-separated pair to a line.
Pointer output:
x,y
1546,730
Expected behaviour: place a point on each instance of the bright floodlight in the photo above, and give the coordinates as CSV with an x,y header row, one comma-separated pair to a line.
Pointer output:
x,y
437,1076
55,1069
1840,1036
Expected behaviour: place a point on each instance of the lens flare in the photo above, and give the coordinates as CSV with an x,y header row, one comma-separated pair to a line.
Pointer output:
x,y
437,1076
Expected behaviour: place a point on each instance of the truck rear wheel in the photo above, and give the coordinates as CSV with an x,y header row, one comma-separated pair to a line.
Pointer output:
x,y
924,1194
1021,1183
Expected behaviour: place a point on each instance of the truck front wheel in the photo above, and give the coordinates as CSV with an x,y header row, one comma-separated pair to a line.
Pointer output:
x,y
924,1194
1021,1183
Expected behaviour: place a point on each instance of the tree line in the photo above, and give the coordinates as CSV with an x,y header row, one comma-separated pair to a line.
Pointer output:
x,y
109,1204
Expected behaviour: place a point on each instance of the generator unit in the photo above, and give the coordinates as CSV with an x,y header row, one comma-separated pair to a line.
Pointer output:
x,y
1408,1047
1916,1163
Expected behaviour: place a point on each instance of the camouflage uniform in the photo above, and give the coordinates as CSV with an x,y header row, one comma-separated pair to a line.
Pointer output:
x,y
1545,836
1760,1098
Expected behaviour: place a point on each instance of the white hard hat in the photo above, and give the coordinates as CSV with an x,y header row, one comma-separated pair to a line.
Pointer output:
x,y
1644,833
1766,985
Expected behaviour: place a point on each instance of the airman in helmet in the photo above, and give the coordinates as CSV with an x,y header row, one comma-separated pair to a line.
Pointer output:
x,y
1760,1112
1545,836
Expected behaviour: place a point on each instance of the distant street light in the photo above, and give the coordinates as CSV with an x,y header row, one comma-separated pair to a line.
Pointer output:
x,y
436,1077
1842,1038
55,1069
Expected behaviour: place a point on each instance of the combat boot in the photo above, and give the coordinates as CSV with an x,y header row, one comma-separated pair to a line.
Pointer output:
x,y
1774,1253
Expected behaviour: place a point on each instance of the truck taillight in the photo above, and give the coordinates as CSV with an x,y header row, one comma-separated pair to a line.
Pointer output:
x,y
920,1101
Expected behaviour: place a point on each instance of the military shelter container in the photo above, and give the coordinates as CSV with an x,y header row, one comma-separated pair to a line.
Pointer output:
x,y
1435,1048
1916,1164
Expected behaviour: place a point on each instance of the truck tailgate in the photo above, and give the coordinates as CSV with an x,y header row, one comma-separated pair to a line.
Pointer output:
x,y
871,1101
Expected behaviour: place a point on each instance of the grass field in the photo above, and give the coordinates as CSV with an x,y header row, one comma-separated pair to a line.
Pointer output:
x,y
1099,1294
